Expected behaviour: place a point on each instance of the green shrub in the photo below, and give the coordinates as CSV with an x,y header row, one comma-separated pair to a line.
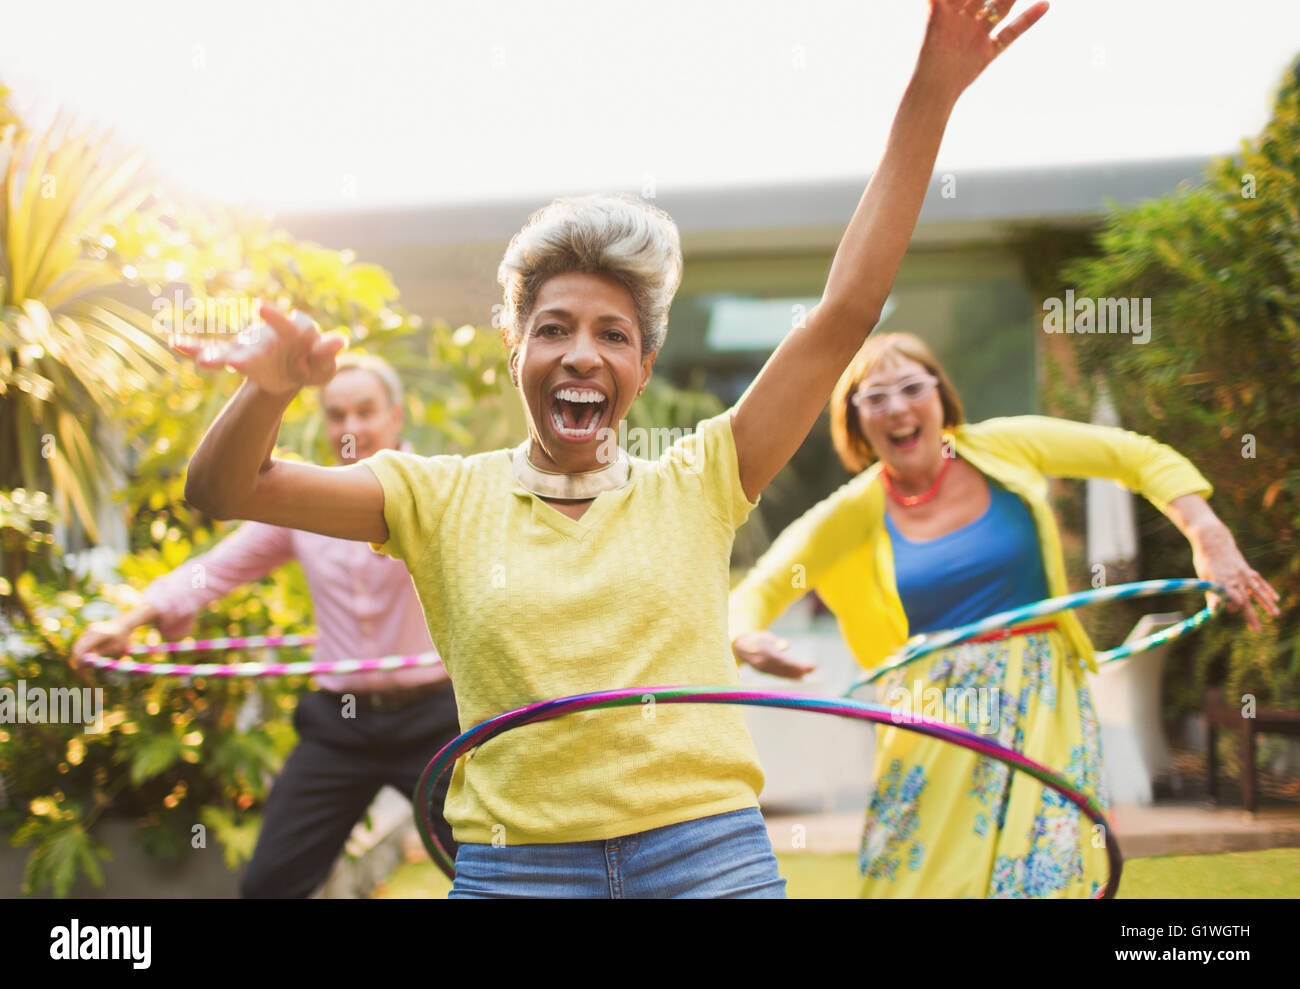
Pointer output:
x,y
1218,381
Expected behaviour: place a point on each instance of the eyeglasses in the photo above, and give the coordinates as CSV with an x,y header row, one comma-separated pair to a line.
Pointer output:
x,y
875,401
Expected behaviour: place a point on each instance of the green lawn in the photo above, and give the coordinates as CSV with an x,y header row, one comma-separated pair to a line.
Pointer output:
x,y
1266,875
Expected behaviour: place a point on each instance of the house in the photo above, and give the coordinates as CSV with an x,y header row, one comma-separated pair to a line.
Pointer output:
x,y
754,255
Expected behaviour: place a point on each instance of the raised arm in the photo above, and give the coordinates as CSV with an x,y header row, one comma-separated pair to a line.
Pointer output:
x,y
776,412
1162,475
233,474
1065,448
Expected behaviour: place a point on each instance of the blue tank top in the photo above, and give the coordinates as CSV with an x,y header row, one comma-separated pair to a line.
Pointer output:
x,y
986,566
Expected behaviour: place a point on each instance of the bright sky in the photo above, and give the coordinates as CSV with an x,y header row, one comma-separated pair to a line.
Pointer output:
x,y
355,105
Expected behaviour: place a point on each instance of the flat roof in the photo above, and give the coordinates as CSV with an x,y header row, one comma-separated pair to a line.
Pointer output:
x,y
791,215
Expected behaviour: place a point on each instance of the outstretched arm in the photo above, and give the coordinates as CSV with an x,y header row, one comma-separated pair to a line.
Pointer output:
x,y
794,564
776,412
173,601
1167,479
233,475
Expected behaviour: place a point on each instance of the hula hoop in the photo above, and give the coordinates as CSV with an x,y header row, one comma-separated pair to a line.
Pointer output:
x,y
922,645
395,662
844,708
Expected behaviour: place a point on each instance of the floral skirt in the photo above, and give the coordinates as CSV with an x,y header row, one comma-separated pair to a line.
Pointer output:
x,y
943,821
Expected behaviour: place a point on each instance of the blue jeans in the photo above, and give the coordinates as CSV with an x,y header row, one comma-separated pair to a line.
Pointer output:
x,y
721,856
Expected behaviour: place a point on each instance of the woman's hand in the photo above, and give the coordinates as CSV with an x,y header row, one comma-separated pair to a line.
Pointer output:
x,y
766,653
1216,557
281,356
233,474
960,41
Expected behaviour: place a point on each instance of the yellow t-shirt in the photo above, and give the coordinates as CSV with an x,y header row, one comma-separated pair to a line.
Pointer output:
x,y
526,604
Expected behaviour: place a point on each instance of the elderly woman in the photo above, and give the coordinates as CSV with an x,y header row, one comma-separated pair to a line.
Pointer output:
x,y
550,570
950,525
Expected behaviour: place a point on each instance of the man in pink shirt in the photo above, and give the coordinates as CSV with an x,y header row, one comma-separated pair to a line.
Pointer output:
x,y
359,730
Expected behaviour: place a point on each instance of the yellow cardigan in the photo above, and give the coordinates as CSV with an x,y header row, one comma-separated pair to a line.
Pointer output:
x,y
841,549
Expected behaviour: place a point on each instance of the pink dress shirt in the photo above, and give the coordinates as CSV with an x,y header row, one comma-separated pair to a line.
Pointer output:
x,y
365,604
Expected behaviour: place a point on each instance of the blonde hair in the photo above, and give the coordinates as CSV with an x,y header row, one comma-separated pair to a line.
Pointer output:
x,y
615,235
851,443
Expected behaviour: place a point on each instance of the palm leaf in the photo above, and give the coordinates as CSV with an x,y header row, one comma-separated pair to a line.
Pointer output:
x,y
68,351
75,472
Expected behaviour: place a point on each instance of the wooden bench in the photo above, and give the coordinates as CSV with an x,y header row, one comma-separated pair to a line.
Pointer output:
x,y
1229,716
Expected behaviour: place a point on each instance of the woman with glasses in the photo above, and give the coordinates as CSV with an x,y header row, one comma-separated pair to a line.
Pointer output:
x,y
951,524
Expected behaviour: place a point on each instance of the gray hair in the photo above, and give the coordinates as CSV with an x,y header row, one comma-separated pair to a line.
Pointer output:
x,y
620,236
377,366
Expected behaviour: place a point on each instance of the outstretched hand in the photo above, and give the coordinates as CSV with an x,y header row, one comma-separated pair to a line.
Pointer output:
x,y
281,355
767,654
1217,558
962,38
110,638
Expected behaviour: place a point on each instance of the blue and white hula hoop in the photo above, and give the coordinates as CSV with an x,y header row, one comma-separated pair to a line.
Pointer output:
x,y
922,645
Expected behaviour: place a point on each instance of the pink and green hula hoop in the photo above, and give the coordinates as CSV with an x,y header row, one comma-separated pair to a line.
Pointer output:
x,y
306,667
840,707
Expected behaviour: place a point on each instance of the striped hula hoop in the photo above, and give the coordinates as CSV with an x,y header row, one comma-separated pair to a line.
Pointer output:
x,y
922,645
840,707
306,667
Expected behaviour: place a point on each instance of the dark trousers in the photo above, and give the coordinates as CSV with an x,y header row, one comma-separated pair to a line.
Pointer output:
x,y
332,776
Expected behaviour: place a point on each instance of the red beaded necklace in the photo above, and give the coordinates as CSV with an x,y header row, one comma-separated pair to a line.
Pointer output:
x,y
909,500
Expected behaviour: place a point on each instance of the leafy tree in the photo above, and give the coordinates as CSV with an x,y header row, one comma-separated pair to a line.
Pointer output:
x,y
1219,379
171,754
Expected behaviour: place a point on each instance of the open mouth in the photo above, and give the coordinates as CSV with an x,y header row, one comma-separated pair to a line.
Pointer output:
x,y
905,439
576,413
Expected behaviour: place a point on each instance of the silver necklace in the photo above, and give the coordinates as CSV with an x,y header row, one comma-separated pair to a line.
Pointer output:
x,y
583,486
